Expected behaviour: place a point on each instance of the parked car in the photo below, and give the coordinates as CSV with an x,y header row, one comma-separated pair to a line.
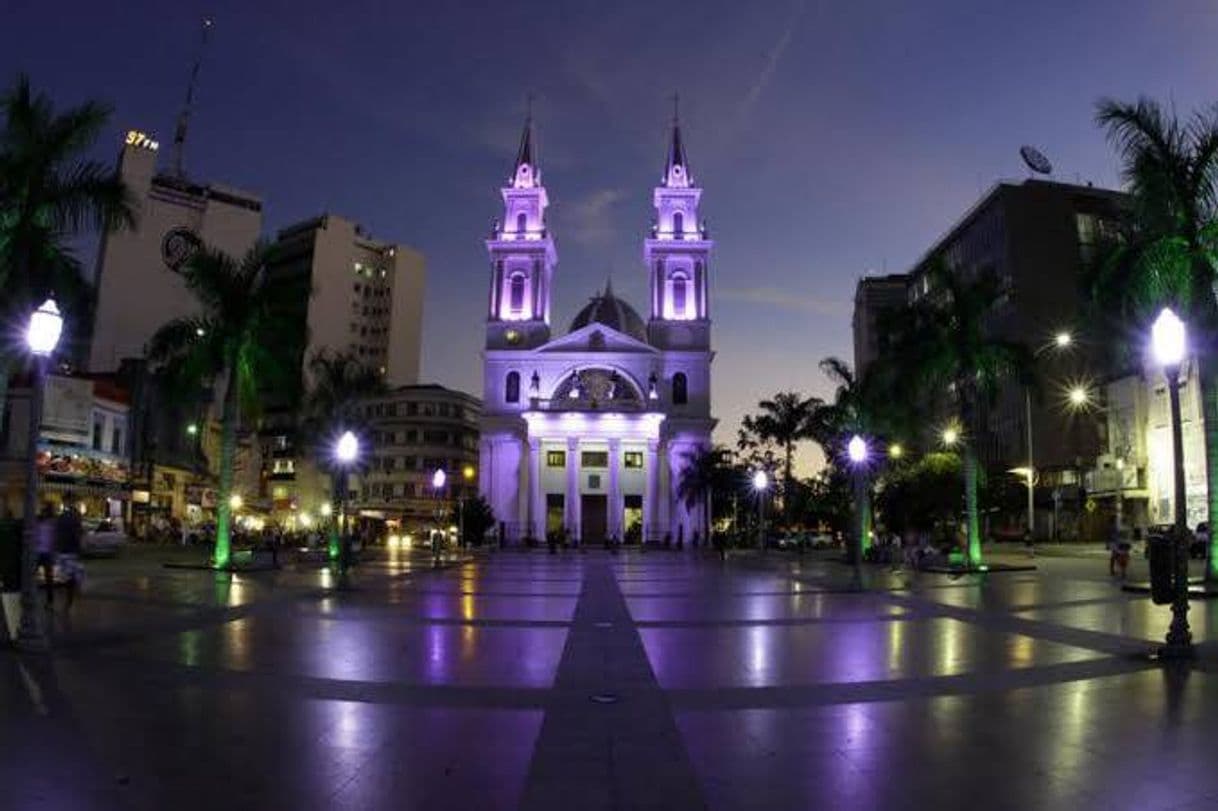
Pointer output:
x,y
103,540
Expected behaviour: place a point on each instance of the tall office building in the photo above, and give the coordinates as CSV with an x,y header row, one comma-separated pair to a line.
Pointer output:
x,y
874,297
364,296
138,286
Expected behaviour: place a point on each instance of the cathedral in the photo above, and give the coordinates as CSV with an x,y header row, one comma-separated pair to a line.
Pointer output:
x,y
586,434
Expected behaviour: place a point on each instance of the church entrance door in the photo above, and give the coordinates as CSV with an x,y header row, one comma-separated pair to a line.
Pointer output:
x,y
594,511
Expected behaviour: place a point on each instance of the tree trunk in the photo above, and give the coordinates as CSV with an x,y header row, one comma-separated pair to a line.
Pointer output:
x,y
335,507
222,555
1207,373
972,524
786,483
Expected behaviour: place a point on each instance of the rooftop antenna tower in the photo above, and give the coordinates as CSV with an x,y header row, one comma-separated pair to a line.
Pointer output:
x,y
179,135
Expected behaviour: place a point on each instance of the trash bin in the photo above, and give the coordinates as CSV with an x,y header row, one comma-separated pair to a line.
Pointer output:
x,y
1162,564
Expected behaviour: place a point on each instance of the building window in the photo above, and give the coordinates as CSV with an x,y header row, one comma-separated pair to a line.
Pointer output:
x,y
556,458
633,460
516,293
679,286
680,389
116,440
522,221
511,389
678,225
98,433
594,459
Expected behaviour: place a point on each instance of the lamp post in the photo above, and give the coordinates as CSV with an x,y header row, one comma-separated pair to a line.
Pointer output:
x,y
1168,341
438,479
467,476
346,452
1061,341
41,338
761,483
857,453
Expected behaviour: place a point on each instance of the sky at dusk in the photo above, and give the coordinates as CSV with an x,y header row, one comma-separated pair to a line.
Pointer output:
x,y
832,139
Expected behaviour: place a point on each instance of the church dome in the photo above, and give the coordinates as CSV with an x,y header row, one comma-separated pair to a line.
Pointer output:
x,y
606,308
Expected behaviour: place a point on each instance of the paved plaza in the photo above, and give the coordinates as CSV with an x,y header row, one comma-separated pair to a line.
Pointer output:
x,y
664,680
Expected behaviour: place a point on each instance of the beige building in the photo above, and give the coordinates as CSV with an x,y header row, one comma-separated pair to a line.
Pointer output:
x,y
366,295
138,288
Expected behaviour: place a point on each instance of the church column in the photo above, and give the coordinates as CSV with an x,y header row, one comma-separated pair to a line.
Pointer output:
x,y
615,488
572,497
536,513
651,513
664,493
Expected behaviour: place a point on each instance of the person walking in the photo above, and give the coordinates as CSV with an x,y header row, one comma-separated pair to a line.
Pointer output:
x,y
45,546
68,534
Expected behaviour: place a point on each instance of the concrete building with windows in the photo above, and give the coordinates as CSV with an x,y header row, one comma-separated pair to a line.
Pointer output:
x,y
415,431
361,295
138,286
874,298
588,432
82,446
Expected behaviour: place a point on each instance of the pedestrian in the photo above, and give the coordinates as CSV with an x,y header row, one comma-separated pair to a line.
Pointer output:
x,y
1118,553
44,544
68,534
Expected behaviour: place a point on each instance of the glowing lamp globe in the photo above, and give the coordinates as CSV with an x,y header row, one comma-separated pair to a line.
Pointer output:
x,y
856,450
46,325
438,479
760,480
347,448
1078,396
1063,339
895,450
467,472
1168,339
950,435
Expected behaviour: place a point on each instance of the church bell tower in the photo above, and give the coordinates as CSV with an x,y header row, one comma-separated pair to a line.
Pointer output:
x,y
677,256
522,257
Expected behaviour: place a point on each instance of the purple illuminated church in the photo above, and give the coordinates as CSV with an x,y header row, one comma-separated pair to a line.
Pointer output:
x,y
589,431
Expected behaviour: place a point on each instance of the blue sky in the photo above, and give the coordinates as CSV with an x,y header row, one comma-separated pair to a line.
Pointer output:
x,y
832,139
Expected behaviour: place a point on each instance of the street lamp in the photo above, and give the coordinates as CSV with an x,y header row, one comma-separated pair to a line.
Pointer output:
x,y
1168,344
857,452
41,338
346,452
1062,341
951,435
467,475
438,479
761,483
1079,397
895,451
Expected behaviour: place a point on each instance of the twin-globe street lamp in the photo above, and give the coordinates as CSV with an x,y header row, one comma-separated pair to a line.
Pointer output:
x,y
1168,344
41,337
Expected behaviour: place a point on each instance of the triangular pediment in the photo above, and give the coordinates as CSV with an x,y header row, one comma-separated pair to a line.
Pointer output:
x,y
596,337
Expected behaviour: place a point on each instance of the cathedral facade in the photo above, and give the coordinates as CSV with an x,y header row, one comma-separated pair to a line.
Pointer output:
x,y
588,433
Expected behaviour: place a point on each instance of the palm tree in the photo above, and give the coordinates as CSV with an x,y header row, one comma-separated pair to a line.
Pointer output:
x,y
339,383
49,193
230,343
706,471
785,419
946,344
1170,257
832,425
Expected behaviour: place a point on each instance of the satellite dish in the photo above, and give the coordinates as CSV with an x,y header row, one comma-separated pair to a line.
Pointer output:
x,y
1035,160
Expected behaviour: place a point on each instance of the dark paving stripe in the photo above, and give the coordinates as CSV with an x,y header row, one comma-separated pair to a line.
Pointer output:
x,y
608,756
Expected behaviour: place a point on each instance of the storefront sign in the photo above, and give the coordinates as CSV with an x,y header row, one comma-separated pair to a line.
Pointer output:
x,y
67,409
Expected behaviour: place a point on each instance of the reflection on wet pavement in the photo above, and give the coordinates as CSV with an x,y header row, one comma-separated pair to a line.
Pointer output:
x,y
762,683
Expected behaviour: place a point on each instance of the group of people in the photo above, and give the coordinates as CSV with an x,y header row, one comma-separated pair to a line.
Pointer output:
x,y
59,538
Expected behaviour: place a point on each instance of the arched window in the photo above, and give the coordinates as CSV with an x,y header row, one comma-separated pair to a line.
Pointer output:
x,y
511,388
680,389
678,225
516,293
679,290
522,220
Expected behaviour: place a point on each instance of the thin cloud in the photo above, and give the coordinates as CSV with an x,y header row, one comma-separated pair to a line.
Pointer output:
x,y
782,299
772,60
589,220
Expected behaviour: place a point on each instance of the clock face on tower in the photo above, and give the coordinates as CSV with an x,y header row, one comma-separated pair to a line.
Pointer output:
x,y
178,245
512,336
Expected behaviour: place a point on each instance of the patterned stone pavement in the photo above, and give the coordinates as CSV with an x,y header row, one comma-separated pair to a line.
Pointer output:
x,y
593,681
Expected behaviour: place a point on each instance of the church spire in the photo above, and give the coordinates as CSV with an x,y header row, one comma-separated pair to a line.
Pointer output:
x,y
525,172
676,170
